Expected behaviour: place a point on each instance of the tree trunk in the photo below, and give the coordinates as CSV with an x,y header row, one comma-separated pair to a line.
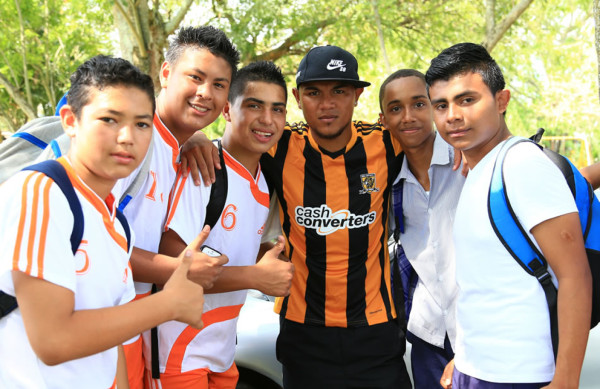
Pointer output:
x,y
386,60
7,120
597,36
143,33
18,98
495,33
23,47
490,17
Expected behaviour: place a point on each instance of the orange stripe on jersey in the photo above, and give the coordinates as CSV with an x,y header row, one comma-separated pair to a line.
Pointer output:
x,y
169,139
373,288
141,295
259,196
333,211
33,221
99,204
174,197
21,228
216,315
296,173
44,229
336,272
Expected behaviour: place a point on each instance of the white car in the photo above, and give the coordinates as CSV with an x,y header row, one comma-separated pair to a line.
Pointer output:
x,y
257,330
258,327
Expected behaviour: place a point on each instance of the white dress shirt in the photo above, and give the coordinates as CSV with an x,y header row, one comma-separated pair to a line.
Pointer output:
x,y
428,244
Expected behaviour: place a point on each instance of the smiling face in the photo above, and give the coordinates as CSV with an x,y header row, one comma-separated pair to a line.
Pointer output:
x,y
468,115
194,91
407,112
328,107
111,136
257,119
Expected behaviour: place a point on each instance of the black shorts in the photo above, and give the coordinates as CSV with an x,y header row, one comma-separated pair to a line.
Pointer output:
x,y
342,358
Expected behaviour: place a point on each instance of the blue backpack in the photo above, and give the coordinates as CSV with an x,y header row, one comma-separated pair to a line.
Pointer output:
x,y
58,174
517,242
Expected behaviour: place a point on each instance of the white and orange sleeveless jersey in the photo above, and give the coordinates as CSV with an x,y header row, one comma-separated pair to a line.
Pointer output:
x,y
237,234
146,212
35,239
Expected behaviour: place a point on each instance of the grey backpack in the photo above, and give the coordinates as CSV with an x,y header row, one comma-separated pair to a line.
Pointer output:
x,y
44,138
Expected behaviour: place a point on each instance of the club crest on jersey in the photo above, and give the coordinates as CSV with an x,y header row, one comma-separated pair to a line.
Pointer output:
x,y
367,181
336,64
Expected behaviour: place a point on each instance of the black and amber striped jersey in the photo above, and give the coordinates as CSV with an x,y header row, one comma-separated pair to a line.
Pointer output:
x,y
333,213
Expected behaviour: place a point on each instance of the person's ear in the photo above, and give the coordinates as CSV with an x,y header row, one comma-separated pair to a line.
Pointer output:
x,y
382,119
68,120
502,98
226,112
296,93
357,93
165,71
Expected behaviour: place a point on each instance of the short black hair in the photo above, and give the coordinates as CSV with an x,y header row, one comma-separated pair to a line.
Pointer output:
x,y
204,37
264,71
402,73
103,71
463,58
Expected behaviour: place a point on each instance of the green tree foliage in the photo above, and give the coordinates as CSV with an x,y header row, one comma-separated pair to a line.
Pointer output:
x,y
545,47
42,41
547,55
552,72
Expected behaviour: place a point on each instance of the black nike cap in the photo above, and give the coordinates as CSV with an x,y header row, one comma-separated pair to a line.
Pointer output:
x,y
329,63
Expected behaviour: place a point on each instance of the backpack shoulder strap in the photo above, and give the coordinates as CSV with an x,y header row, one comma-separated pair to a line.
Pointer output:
x,y
8,304
119,215
515,239
503,219
54,170
581,189
218,192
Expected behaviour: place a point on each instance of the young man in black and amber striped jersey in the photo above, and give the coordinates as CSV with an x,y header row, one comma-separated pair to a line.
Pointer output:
x,y
332,176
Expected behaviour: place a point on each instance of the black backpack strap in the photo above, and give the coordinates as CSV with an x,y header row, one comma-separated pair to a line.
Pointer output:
x,y
54,170
537,137
8,304
218,192
214,208
154,346
125,225
514,238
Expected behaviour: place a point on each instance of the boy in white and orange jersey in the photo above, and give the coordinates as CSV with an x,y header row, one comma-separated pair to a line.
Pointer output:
x,y
67,328
195,77
255,116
